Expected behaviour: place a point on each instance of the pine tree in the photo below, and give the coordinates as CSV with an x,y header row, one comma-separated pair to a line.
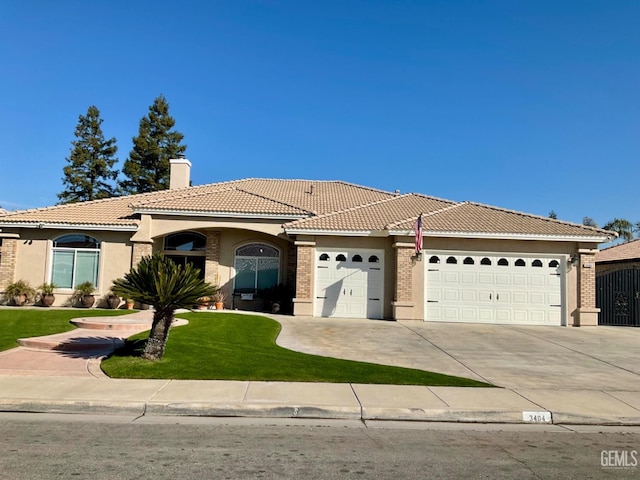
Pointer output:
x,y
147,168
90,167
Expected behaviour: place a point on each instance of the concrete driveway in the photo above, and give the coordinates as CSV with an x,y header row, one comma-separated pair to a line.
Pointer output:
x,y
516,357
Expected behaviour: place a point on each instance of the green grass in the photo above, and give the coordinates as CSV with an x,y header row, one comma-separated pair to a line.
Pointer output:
x,y
231,346
17,322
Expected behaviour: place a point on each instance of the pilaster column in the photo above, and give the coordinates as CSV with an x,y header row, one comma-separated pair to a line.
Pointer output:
x,y
8,252
212,258
139,250
303,302
587,311
403,303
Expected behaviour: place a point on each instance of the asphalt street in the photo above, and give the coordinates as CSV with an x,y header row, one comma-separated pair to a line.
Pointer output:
x,y
42,446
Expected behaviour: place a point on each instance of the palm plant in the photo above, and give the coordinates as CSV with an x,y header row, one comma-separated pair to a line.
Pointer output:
x,y
159,282
623,227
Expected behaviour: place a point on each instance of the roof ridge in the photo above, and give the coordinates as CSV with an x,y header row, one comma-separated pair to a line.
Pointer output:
x,y
540,217
276,201
426,214
351,209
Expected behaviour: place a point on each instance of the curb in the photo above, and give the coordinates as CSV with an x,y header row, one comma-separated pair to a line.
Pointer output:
x,y
138,409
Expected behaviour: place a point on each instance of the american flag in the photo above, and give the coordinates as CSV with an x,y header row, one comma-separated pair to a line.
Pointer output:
x,y
417,228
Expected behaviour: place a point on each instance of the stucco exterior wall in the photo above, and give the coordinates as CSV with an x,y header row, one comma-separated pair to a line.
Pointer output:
x,y
34,257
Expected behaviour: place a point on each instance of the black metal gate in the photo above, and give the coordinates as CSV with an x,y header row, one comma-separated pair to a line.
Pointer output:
x,y
618,298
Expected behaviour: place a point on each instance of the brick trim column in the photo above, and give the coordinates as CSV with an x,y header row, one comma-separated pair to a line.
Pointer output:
x,y
303,302
139,250
8,253
212,257
587,311
403,303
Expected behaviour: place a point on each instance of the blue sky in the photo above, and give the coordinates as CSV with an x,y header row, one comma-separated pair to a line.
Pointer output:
x,y
530,105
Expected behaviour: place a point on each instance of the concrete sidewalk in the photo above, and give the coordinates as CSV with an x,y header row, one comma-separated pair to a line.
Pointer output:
x,y
72,382
315,400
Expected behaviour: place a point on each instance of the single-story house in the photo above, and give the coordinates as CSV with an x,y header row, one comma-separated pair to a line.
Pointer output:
x,y
618,284
346,250
618,257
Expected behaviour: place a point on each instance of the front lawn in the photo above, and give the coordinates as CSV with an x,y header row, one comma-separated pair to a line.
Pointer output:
x,y
17,322
231,346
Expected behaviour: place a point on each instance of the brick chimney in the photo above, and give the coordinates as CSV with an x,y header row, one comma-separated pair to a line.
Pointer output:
x,y
180,173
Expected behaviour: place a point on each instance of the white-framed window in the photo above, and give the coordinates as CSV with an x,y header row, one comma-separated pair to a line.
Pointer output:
x,y
76,259
257,266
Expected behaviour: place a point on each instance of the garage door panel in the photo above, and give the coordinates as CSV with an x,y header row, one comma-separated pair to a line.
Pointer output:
x,y
519,280
495,288
349,288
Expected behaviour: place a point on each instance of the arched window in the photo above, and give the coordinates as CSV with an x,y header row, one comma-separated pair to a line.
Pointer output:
x,y
554,264
324,257
374,259
468,261
76,258
503,262
185,248
257,267
341,258
536,263
485,261
434,259
520,263
452,260
357,258
185,242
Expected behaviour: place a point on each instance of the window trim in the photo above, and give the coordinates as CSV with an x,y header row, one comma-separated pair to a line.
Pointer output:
x,y
254,242
51,263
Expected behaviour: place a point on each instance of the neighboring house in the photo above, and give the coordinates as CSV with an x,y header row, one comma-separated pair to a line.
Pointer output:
x,y
346,250
618,284
619,257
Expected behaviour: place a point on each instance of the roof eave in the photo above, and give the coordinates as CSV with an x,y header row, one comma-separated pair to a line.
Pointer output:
x,y
341,233
71,226
507,236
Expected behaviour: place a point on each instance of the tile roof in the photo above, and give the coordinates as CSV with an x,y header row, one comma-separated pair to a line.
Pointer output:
x,y
374,216
225,201
624,251
320,205
293,196
469,217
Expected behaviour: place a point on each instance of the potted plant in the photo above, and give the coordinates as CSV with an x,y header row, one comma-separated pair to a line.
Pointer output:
x,y
84,294
203,303
46,294
218,299
113,300
19,292
129,302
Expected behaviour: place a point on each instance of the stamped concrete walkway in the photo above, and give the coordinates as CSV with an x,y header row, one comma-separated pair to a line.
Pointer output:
x,y
551,375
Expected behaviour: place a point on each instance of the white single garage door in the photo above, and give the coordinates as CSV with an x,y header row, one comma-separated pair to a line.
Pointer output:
x,y
493,288
349,283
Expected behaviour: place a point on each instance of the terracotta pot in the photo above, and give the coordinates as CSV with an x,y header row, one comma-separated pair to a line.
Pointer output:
x,y
47,299
129,305
219,306
19,300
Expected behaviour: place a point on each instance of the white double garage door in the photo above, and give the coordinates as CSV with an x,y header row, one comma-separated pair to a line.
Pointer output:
x,y
493,288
